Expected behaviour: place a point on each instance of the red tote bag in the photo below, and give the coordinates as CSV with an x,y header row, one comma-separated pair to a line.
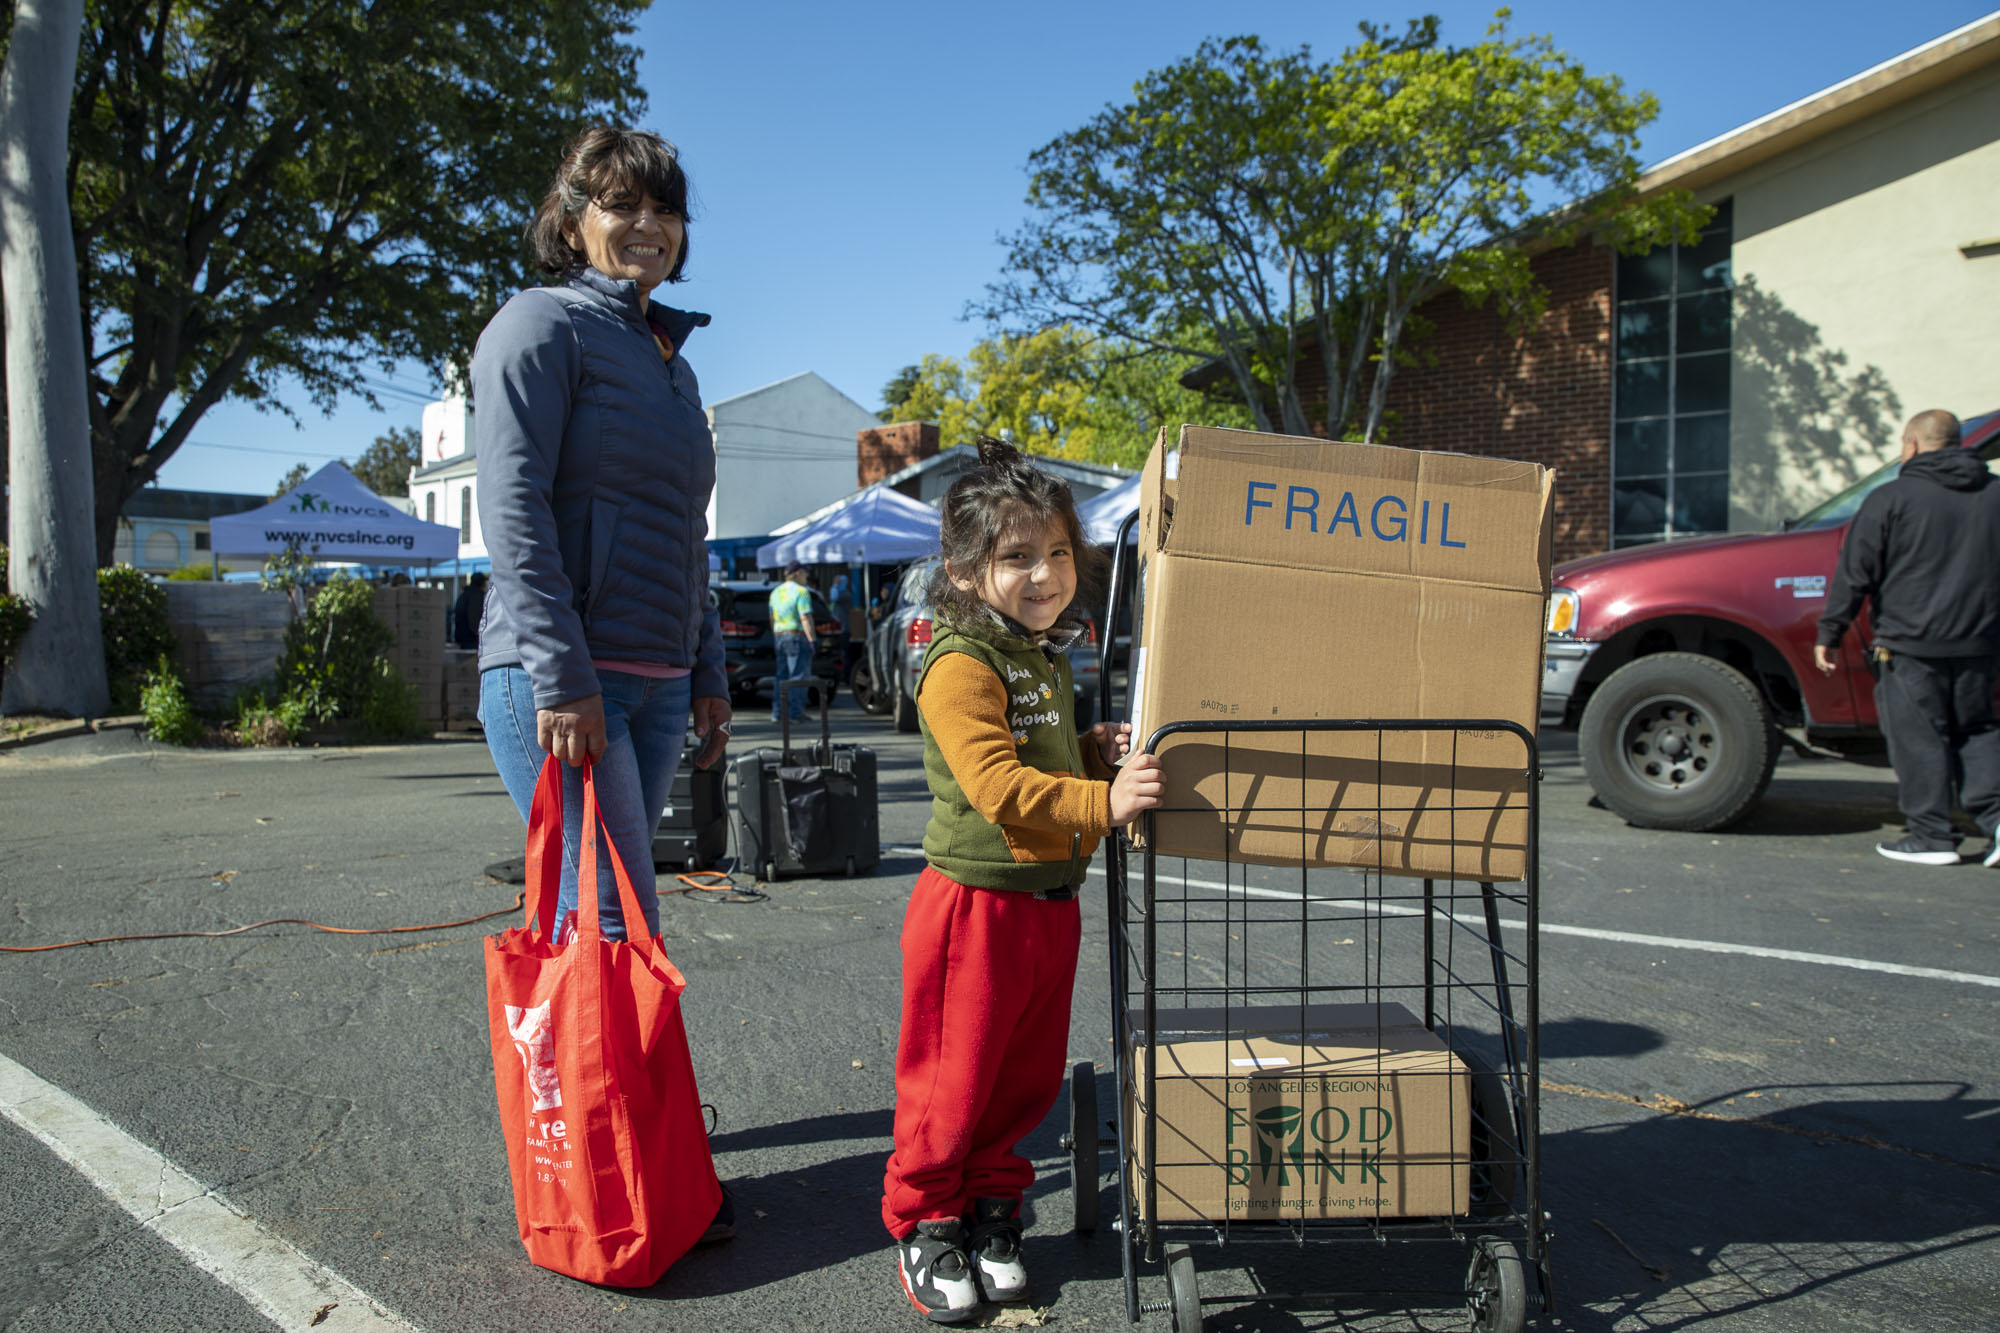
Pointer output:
x,y
612,1175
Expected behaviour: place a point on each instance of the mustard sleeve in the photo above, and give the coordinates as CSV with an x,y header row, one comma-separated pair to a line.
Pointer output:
x,y
965,707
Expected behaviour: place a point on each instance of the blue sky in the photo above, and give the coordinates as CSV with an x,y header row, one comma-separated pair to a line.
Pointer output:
x,y
854,163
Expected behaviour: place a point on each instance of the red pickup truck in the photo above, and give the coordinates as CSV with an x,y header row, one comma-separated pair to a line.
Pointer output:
x,y
1685,666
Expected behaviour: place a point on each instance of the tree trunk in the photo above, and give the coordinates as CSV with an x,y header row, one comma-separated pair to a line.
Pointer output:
x,y
51,510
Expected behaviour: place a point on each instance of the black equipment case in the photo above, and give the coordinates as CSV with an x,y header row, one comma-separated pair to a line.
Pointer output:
x,y
694,827
806,812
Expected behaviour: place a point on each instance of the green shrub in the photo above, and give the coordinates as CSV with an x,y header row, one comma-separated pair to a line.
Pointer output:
x,y
196,573
328,668
393,710
170,718
132,609
15,615
259,722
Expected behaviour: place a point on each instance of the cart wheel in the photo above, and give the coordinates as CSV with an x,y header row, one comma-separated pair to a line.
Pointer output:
x,y
1184,1293
770,872
1082,1143
1496,1287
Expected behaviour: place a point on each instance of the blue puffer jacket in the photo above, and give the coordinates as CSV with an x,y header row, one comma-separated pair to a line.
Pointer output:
x,y
595,469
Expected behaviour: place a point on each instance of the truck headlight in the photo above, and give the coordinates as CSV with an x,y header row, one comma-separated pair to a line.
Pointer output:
x,y
1565,610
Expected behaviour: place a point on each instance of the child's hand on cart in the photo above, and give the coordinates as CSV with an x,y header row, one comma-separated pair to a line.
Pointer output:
x,y
1113,740
1139,786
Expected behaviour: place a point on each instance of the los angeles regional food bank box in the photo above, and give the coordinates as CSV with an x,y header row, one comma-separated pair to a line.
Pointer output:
x,y
1358,1112
1289,578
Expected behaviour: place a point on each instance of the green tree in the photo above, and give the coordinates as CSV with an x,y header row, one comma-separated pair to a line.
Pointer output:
x,y
1061,391
265,192
295,474
897,392
1255,207
384,466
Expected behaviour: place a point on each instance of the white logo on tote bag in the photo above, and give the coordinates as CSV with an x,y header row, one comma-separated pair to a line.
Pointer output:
x,y
535,1039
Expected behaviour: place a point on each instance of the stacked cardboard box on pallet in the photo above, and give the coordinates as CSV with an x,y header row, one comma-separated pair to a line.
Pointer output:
x,y
417,617
461,689
229,637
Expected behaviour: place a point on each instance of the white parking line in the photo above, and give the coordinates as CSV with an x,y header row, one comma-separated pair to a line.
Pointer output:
x,y
282,1284
1614,936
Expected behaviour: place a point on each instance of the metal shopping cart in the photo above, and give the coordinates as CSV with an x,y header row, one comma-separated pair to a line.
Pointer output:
x,y
1304,1057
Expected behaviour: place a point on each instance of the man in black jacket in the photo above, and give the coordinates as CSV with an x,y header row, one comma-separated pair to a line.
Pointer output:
x,y
1926,549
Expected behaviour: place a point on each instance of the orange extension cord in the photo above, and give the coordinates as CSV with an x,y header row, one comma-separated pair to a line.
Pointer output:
x,y
690,883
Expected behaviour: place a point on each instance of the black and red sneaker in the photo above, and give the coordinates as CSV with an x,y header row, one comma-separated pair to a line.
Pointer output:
x,y
996,1250
937,1277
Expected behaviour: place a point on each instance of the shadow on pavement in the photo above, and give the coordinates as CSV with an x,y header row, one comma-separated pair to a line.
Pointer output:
x,y
1587,1038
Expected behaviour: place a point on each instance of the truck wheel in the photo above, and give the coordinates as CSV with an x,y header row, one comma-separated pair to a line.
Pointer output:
x,y
1677,741
905,710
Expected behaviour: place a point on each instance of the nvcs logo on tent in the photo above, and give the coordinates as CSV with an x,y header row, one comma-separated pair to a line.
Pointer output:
x,y
305,502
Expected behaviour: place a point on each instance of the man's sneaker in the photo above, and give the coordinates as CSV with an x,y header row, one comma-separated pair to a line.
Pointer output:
x,y
724,1225
996,1249
1918,852
937,1277
1991,858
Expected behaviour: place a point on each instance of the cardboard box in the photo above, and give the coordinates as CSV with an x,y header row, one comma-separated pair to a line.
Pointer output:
x,y
1360,1113
1288,579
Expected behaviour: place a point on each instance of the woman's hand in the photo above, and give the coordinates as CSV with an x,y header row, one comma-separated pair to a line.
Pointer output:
x,y
1139,786
711,724
573,730
1113,740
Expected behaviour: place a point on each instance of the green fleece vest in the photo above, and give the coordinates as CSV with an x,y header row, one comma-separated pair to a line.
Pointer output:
x,y
1041,709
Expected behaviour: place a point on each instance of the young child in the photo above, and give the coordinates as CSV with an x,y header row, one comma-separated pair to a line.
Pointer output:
x,y
1019,802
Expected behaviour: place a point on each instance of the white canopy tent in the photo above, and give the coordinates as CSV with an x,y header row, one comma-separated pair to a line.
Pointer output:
x,y
1103,512
878,526
332,516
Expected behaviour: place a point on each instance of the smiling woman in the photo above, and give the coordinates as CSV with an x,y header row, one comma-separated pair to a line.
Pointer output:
x,y
597,642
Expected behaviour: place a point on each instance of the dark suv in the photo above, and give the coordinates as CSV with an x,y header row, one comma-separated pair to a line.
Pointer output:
x,y
745,608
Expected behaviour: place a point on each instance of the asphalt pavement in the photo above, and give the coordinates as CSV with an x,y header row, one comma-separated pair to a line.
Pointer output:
x,y
1771,1064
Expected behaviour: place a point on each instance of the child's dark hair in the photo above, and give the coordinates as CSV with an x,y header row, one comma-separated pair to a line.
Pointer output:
x,y
1005,494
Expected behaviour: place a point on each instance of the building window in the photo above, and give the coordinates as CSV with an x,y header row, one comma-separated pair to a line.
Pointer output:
x,y
465,515
1670,403
163,550
201,539
430,506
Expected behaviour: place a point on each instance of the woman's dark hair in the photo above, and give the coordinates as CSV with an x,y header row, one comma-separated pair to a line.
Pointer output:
x,y
1004,494
605,163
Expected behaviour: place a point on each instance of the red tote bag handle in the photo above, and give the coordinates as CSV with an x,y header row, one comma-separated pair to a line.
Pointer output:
x,y
545,833
588,925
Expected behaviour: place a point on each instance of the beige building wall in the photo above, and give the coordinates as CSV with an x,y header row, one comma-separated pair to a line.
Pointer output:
x,y
1855,306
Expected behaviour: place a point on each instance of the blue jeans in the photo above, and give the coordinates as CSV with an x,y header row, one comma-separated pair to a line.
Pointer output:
x,y
645,721
795,656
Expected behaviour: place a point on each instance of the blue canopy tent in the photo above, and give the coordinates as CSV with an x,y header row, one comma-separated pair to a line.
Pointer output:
x,y
878,526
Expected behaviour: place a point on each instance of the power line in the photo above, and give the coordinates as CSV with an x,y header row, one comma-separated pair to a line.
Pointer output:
x,y
253,449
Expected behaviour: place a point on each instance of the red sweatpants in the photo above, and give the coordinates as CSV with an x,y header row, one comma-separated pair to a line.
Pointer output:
x,y
987,975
